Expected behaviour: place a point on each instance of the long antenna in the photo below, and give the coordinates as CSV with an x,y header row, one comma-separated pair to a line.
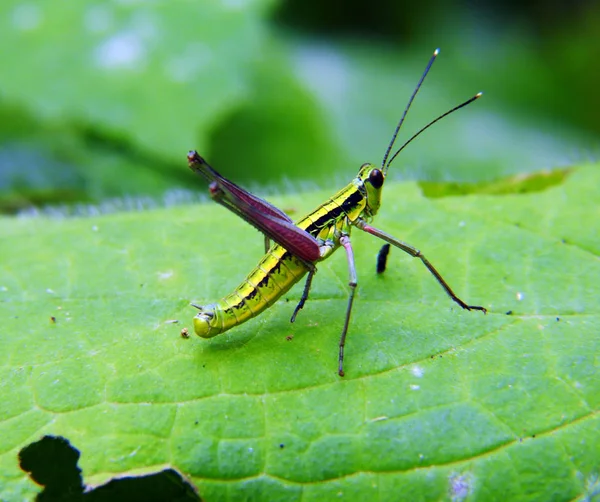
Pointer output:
x,y
385,165
468,101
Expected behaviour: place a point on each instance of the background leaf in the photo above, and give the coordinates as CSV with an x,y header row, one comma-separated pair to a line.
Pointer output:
x,y
204,38
103,100
437,403
83,82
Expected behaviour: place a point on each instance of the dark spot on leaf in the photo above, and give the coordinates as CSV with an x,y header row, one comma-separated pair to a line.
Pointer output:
x,y
281,445
52,463
53,319
509,312
557,319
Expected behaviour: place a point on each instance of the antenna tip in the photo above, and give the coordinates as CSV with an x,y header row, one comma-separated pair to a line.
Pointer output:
x,y
436,52
478,95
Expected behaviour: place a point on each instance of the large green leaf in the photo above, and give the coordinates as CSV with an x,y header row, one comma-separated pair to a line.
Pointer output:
x,y
99,99
437,403
120,66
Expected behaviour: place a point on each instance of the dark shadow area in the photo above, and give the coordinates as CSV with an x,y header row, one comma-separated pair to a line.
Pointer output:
x,y
522,183
52,463
62,162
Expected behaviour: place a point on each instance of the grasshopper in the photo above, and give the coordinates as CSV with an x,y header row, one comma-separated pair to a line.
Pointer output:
x,y
298,247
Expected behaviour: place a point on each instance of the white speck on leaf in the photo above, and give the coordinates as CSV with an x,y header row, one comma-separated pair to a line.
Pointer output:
x,y
123,50
27,17
379,419
415,387
417,371
460,486
520,296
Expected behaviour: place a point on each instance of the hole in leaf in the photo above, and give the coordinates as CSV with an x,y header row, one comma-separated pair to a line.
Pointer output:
x,y
52,463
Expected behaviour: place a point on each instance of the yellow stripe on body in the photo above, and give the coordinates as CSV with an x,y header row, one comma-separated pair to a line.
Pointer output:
x,y
274,276
278,271
323,222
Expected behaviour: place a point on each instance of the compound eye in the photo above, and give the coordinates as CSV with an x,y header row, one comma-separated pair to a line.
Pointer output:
x,y
376,178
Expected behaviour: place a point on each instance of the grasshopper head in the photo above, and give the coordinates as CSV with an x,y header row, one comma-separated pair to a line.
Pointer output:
x,y
206,322
371,178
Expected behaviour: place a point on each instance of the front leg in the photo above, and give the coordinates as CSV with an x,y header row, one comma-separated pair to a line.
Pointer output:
x,y
407,248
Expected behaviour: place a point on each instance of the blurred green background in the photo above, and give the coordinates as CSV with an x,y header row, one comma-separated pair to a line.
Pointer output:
x,y
100,101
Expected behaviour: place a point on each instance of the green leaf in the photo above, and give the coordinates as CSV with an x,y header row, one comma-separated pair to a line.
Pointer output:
x,y
123,66
437,403
103,99
109,106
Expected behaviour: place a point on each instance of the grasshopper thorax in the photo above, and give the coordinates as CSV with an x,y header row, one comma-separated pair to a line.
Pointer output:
x,y
370,182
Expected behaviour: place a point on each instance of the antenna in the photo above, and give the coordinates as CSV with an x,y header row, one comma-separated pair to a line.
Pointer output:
x,y
384,165
468,101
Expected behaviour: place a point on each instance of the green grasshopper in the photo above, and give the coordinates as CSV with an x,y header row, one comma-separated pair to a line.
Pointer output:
x,y
299,246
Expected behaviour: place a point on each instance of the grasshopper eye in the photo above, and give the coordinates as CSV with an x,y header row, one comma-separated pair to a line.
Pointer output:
x,y
376,178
